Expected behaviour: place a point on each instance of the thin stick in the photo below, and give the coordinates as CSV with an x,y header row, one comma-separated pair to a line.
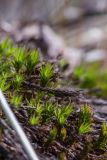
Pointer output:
x,y
15,124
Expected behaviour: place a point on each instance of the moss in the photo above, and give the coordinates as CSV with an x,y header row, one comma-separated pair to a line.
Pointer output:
x,y
56,118
92,76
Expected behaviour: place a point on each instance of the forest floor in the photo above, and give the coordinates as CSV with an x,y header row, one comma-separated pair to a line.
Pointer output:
x,y
64,117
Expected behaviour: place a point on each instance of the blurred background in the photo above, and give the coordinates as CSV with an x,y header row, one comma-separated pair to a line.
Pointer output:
x,y
82,24
48,10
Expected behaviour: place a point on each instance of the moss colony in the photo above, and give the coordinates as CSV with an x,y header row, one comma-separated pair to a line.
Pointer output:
x,y
55,122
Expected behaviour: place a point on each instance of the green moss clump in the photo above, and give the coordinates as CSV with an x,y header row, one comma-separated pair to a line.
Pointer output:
x,y
58,125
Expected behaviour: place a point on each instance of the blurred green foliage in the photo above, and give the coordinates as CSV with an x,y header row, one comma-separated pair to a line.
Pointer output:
x,y
92,76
